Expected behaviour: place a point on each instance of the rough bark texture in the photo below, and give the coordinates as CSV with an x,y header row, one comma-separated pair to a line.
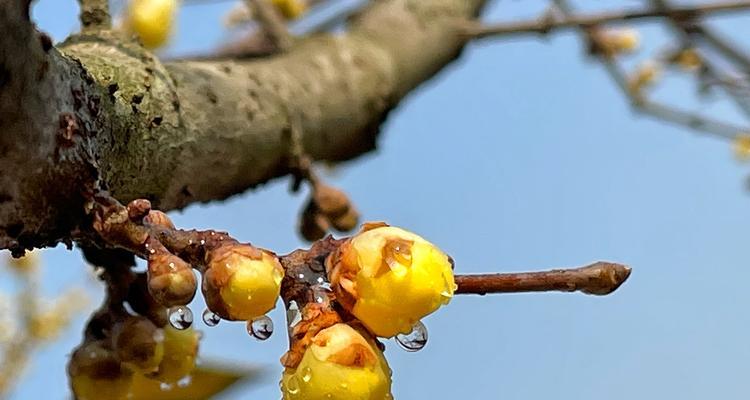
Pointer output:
x,y
98,111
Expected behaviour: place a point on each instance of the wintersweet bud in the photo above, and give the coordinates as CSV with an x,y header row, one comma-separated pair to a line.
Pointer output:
x,y
390,278
241,282
339,364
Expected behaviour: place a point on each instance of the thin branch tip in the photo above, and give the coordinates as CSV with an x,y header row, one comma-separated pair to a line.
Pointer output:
x,y
600,278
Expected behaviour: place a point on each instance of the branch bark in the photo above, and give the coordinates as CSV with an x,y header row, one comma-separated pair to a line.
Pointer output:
x,y
99,112
547,25
600,278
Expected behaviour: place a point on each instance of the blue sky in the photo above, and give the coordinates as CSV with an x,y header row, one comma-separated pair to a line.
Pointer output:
x,y
522,155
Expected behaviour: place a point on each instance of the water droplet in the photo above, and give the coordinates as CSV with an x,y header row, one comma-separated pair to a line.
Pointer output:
x,y
293,315
210,318
185,381
306,374
320,279
414,340
203,242
292,385
301,276
260,328
164,386
180,317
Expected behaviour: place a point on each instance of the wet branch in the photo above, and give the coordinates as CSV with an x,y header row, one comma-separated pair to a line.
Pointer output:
x,y
598,279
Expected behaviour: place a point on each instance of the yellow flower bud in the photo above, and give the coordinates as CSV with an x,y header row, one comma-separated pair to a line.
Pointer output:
x,y
96,374
29,262
390,278
180,352
688,59
742,147
152,20
290,9
646,75
139,344
340,364
170,280
241,282
619,41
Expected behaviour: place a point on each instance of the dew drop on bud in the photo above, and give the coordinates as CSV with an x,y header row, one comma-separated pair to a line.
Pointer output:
x,y
414,340
293,315
180,317
306,374
164,386
292,386
260,328
185,381
210,318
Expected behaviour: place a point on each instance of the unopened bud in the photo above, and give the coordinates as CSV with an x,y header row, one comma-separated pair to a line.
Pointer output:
x,y
170,280
241,282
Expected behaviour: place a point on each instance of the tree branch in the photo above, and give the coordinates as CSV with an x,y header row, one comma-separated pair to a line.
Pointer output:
x,y
547,25
271,22
598,279
95,14
115,118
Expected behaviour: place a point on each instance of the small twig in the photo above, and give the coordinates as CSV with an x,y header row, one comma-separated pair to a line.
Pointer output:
x,y
545,25
272,23
726,48
691,29
641,103
95,14
598,279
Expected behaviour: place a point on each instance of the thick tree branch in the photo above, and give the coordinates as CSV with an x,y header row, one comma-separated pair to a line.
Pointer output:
x,y
599,279
108,114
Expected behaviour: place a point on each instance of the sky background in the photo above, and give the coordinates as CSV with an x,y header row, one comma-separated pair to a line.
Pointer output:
x,y
521,155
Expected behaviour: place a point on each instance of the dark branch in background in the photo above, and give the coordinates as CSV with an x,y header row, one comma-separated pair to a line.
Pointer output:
x,y
684,17
546,25
95,14
690,30
598,279
272,23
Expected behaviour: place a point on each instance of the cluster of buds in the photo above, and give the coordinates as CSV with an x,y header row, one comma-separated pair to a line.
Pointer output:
x,y
240,281
327,208
105,365
381,282
341,363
